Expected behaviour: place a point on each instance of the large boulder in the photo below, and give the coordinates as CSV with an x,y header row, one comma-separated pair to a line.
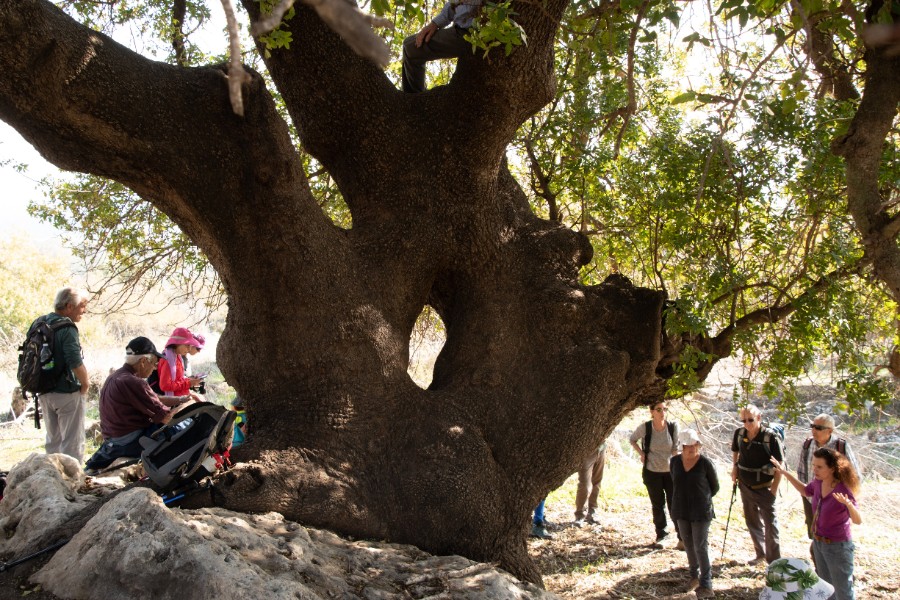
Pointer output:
x,y
41,495
136,547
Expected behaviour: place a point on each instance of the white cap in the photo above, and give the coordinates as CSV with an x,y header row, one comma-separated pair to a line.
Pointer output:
x,y
688,437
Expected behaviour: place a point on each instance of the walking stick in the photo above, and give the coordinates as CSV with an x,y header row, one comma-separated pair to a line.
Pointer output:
x,y
8,565
728,522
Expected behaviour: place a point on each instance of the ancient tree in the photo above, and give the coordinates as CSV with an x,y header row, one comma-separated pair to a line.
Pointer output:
x,y
536,367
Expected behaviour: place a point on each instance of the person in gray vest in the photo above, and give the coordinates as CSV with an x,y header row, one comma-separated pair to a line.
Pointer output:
x,y
436,40
752,448
823,436
63,407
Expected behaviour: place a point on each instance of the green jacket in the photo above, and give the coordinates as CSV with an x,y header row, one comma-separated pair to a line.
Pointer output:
x,y
67,351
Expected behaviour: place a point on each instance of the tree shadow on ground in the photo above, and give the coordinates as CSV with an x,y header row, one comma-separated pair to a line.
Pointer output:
x,y
673,584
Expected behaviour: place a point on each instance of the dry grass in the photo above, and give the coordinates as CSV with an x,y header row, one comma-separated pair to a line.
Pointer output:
x,y
615,559
17,441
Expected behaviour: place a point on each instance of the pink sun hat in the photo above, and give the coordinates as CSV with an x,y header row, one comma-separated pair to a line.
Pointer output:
x,y
183,335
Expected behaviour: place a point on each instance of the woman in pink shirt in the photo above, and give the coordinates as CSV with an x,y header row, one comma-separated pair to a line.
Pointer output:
x,y
832,494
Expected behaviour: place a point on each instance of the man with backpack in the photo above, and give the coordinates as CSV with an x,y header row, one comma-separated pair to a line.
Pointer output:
x,y
63,405
752,447
129,409
823,436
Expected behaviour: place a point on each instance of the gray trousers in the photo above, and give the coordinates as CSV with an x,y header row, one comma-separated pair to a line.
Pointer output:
x,y
834,564
762,522
695,535
445,43
64,423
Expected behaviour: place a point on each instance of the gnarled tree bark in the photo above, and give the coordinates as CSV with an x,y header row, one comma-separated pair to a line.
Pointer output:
x,y
536,368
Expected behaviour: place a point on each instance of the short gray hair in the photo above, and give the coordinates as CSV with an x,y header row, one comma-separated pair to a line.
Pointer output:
x,y
826,419
133,359
752,409
69,296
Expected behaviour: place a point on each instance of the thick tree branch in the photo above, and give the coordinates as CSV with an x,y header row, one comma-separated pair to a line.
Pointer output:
x,y
179,11
719,346
820,47
862,148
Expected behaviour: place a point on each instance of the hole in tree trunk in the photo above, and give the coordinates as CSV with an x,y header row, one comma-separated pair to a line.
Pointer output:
x,y
329,197
425,343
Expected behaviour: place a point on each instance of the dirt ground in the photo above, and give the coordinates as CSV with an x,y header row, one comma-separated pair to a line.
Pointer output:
x,y
615,559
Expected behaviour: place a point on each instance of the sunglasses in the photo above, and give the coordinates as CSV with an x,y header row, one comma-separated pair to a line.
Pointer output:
x,y
747,420
819,427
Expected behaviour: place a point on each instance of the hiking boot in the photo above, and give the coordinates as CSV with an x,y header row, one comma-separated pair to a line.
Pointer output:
x,y
759,560
591,519
692,585
661,536
579,523
679,545
704,592
539,531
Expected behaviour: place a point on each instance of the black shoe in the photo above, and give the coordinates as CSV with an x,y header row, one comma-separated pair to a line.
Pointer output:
x,y
539,531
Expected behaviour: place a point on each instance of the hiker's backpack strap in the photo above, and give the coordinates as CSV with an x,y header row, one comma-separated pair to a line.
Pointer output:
x,y
840,444
648,432
670,425
804,452
741,435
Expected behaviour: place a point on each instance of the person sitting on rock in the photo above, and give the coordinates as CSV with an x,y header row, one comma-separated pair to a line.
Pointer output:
x,y
129,409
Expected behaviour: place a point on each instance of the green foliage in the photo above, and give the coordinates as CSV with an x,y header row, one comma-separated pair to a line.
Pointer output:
x,y
29,280
495,28
150,22
281,36
694,152
126,243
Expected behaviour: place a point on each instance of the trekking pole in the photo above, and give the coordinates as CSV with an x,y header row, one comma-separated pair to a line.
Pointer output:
x,y
121,465
186,490
9,565
728,522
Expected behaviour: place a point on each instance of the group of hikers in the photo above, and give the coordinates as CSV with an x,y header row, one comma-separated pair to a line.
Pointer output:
x,y
142,396
685,482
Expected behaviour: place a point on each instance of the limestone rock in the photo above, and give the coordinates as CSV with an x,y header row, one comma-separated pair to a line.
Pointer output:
x,y
41,494
136,547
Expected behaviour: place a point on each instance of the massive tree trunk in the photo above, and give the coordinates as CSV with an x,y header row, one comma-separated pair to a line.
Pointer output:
x,y
536,368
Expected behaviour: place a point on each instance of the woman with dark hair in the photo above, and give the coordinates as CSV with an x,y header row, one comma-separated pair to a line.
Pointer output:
x,y
658,440
832,493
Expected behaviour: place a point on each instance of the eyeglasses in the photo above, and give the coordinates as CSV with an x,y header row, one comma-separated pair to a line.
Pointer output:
x,y
747,420
819,427
660,409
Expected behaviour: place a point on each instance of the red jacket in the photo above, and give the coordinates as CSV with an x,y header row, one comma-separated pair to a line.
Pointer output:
x,y
179,385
